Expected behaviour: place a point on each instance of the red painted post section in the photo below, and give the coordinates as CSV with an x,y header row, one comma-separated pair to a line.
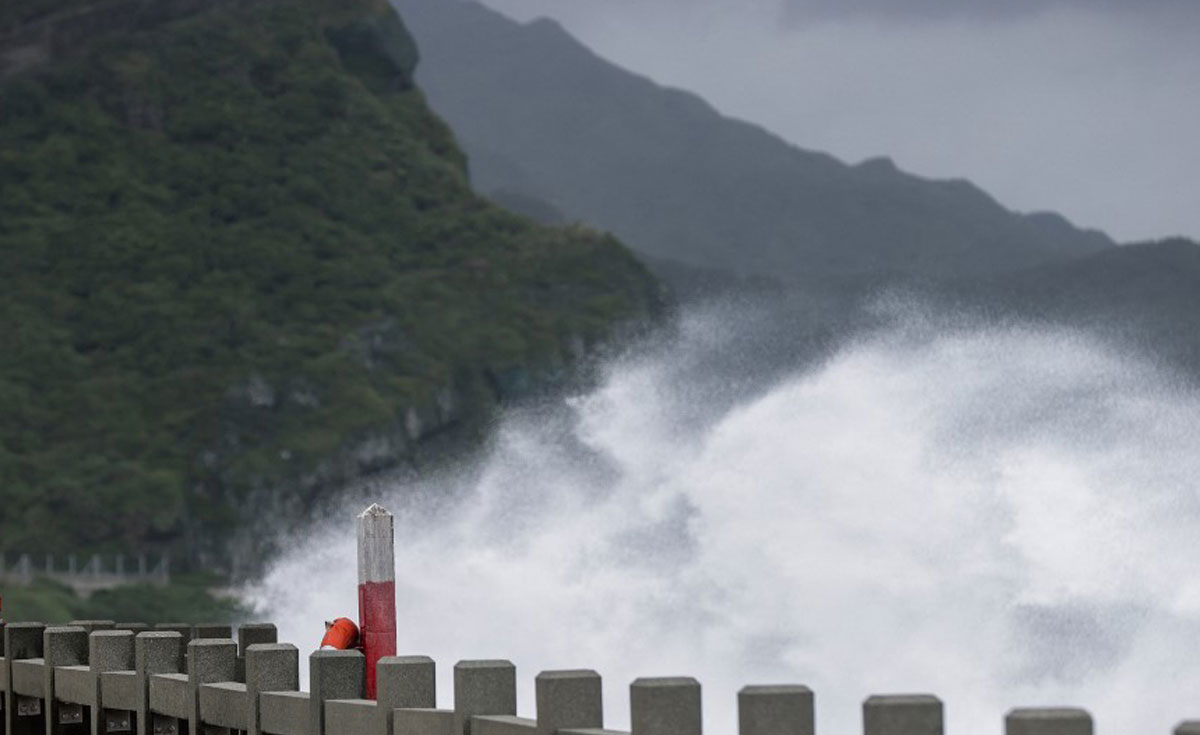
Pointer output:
x,y
376,589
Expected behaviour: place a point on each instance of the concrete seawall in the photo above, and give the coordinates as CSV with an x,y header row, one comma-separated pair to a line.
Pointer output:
x,y
98,677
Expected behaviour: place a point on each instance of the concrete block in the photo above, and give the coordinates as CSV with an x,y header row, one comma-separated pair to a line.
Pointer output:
x,y
251,634
423,721
352,716
903,714
224,704
92,625
76,684
408,682
158,652
28,678
503,725
134,628
211,660
483,688
20,641
403,682
118,690
183,629
270,667
1188,727
110,650
23,640
170,695
665,706
776,710
1048,721
61,646
284,713
568,699
333,675
209,631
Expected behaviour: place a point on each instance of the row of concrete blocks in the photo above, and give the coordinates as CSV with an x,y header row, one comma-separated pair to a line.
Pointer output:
x,y
94,678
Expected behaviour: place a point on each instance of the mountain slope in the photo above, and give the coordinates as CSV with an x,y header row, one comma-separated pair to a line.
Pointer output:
x,y
1146,295
243,265
541,115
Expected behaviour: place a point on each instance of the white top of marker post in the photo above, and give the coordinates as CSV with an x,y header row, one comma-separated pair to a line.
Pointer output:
x,y
376,546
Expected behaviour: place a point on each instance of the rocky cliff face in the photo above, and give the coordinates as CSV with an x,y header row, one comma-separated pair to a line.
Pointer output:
x,y
244,267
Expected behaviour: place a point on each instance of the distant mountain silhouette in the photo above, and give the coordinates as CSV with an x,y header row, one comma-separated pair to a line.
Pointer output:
x,y
1145,294
543,118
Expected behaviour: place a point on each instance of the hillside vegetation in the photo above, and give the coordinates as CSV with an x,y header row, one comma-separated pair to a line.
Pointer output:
x,y
243,265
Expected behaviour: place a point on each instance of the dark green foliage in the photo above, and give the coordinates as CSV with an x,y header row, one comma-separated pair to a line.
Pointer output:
x,y
185,601
235,246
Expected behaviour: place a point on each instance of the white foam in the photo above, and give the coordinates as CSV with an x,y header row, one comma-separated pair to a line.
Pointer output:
x,y
1002,516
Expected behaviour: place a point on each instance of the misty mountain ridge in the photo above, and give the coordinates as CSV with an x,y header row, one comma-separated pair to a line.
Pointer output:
x,y
548,123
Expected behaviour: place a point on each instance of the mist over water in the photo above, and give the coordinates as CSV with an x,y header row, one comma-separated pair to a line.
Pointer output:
x,y
999,514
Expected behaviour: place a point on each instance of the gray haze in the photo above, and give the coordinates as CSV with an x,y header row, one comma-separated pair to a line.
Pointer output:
x,y
1081,106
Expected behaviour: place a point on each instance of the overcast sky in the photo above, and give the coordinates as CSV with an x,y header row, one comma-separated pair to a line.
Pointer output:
x,y
1087,107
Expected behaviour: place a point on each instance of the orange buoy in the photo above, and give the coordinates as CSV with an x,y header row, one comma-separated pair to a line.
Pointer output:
x,y
340,635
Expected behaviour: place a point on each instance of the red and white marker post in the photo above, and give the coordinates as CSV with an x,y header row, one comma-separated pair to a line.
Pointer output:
x,y
376,588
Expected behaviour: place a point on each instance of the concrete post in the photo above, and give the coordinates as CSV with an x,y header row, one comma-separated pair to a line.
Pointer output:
x,y
209,661
376,589
568,699
404,682
21,640
108,650
270,667
159,652
61,646
252,634
333,675
665,706
903,714
134,628
93,625
776,710
483,688
183,629
1056,721
212,631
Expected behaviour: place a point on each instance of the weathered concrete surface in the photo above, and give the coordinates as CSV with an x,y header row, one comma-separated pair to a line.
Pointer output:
x,y
776,710
665,706
333,675
224,704
903,714
61,646
404,682
170,695
568,699
424,721
269,667
1048,721
503,725
157,652
285,713
351,716
487,687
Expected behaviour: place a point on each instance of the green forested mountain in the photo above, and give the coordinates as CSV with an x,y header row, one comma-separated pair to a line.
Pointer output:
x,y
242,264
543,118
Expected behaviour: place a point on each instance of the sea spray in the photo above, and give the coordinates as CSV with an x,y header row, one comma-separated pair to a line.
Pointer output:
x,y
999,514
